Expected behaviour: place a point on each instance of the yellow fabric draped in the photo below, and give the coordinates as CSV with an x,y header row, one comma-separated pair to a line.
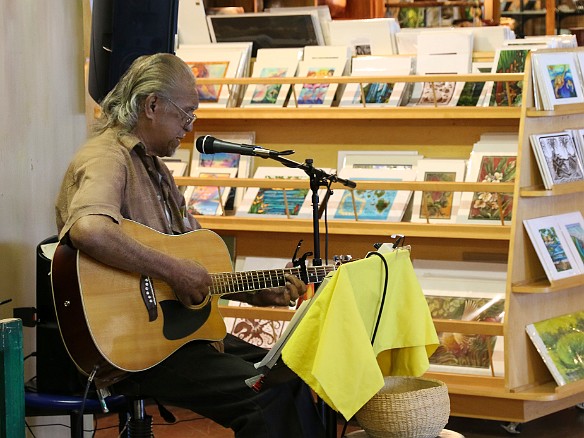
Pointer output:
x,y
331,347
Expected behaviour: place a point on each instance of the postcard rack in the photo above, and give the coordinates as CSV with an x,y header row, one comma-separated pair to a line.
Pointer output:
x,y
526,391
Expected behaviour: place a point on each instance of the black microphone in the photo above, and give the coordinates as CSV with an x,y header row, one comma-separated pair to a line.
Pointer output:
x,y
211,145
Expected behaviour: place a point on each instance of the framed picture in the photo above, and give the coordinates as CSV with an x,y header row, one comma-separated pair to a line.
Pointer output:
x,y
267,202
553,248
488,207
399,160
557,78
557,157
507,60
437,207
296,29
378,205
209,200
242,163
572,225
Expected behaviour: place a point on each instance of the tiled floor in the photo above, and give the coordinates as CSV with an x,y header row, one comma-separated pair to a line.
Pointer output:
x,y
565,424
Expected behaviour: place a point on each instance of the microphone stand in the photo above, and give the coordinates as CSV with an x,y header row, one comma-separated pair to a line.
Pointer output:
x,y
318,178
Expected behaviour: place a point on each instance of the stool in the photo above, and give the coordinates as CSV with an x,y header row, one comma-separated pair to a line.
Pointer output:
x,y
139,424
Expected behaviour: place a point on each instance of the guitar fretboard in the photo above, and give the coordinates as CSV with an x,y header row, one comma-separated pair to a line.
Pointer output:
x,y
247,281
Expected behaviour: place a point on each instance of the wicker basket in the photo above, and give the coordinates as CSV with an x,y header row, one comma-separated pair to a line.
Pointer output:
x,y
406,407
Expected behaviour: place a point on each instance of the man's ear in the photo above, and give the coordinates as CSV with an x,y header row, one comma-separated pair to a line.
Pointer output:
x,y
150,105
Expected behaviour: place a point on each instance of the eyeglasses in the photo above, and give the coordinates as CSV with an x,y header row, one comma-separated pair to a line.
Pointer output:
x,y
189,118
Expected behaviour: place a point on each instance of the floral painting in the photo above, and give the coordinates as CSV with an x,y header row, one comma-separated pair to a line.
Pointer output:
x,y
490,205
437,205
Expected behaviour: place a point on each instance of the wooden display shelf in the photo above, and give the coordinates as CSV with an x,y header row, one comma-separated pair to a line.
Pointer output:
x,y
557,190
544,286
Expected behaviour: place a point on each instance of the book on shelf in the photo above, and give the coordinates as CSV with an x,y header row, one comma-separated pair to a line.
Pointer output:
x,y
378,94
241,163
380,205
437,206
557,79
560,343
557,158
553,247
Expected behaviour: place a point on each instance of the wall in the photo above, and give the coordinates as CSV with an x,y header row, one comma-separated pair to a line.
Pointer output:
x,y
42,122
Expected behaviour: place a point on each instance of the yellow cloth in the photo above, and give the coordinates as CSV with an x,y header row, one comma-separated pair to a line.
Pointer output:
x,y
331,347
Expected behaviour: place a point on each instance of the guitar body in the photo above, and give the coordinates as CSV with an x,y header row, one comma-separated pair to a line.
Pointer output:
x,y
104,320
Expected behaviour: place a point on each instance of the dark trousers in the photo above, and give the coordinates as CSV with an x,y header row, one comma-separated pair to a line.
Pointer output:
x,y
212,384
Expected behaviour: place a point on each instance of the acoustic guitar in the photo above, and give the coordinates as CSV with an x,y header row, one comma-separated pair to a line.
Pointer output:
x,y
113,320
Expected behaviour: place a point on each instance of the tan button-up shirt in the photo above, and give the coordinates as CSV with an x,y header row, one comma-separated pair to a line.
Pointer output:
x,y
112,175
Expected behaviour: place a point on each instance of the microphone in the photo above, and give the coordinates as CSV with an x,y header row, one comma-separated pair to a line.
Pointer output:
x,y
211,145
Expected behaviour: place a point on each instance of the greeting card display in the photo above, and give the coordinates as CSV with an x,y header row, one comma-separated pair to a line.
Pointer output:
x,y
557,157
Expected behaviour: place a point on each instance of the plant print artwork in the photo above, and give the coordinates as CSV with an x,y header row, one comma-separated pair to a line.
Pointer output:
x,y
488,205
269,93
369,204
509,93
437,205
457,349
374,93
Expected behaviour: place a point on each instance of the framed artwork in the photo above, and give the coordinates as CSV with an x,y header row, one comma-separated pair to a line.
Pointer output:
x,y
557,157
310,95
559,342
557,78
295,29
209,200
267,202
242,163
399,160
553,248
378,205
572,225
437,207
435,93
488,207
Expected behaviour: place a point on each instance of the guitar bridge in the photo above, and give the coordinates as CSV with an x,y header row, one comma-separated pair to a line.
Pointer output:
x,y
149,297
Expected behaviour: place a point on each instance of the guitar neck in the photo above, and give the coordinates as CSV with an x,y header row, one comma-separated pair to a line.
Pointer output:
x,y
247,281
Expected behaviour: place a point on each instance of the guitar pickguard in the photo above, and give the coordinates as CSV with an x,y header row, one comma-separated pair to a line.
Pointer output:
x,y
180,321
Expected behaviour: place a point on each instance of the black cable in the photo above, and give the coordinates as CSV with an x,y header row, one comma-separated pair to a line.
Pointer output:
x,y
79,425
383,295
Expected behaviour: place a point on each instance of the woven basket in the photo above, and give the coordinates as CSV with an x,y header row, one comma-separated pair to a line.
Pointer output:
x,y
406,407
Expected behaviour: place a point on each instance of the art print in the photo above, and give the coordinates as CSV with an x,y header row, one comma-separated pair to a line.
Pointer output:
x,y
490,205
562,81
214,69
437,205
280,202
312,94
208,200
561,158
509,93
436,93
268,93
374,93
368,204
555,248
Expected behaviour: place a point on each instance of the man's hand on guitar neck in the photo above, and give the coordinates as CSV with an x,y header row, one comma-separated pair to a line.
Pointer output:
x,y
276,296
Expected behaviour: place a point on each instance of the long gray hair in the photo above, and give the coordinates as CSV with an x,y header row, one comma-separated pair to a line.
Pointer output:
x,y
161,73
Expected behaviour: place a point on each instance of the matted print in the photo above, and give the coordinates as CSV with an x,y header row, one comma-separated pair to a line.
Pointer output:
x,y
315,94
379,205
242,163
208,200
558,78
488,207
552,248
398,160
557,157
437,205
572,225
507,60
